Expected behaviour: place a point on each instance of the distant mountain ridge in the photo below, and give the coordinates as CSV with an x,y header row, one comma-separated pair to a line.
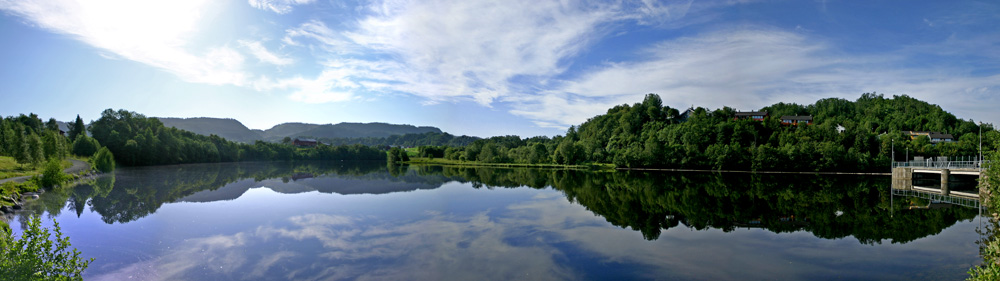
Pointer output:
x,y
234,130
230,129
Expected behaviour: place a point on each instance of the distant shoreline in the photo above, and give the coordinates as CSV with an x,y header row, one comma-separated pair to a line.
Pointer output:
x,y
435,161
754,172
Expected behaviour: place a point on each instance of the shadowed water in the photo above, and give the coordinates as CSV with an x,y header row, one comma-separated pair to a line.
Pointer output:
x,y
338,220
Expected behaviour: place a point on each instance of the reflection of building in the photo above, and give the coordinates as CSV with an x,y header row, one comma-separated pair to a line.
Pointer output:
x,y
796,120
935,137
752,115
304,142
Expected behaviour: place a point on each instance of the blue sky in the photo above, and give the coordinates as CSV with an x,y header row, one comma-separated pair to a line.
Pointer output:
x,y
483,67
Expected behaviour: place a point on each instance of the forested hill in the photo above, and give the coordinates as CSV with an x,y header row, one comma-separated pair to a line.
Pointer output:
x,y
231,129
137,140
843,136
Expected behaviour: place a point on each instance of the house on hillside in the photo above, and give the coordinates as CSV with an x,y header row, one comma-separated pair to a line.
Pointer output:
x,y
752,115
935,137
304,142
683,117
796,120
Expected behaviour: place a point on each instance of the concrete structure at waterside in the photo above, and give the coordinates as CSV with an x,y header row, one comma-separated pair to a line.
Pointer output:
x,y
903,175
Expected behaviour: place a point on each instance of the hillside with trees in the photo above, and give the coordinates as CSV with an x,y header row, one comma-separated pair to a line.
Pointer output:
x,y
855,136
135,139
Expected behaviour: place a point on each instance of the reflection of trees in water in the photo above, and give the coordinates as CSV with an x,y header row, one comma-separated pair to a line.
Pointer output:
x,y
648,202
127,195
827,206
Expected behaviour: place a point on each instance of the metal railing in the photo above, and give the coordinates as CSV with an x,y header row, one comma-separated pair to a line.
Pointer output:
x,y
939,164
954,200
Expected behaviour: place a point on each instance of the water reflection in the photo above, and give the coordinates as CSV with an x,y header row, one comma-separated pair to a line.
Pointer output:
x,y
337,220
826,206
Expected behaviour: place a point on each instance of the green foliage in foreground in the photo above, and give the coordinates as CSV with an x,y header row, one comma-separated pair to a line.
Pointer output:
x,y
35,257
990,246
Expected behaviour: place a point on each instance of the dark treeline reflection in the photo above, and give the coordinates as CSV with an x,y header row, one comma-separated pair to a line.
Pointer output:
x,y
648,202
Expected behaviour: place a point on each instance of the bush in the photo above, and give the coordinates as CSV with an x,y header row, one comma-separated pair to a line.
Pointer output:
x,y
35,257
104,161
85,146
53,174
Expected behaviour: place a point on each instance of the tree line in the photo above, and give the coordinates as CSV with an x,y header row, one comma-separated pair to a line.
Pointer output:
x,y
136,139
406,140
857,136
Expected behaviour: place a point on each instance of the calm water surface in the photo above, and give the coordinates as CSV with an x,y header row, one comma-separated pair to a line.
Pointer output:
x,y
335,220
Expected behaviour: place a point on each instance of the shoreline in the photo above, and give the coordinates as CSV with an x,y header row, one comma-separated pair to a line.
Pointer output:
x,y
598,167
755,172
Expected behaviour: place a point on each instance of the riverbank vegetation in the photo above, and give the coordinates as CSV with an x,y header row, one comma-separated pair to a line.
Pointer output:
x,y
38,150
989,247
843,136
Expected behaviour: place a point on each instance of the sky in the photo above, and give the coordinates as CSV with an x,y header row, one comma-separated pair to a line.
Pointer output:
x,y
485,67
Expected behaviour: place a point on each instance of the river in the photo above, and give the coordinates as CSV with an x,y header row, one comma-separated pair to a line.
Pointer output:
x,y
340,220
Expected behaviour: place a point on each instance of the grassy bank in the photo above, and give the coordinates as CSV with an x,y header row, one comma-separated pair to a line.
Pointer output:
x,y
46,175
447,162
10,169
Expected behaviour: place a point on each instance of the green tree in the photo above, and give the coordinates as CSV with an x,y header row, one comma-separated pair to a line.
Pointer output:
x,y
85,146
990,180
36,148
34,257
52,125
54,145
104,161
17,145
77,129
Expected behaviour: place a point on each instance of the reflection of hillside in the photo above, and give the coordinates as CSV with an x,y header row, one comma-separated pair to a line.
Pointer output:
x,y
133,193
827,206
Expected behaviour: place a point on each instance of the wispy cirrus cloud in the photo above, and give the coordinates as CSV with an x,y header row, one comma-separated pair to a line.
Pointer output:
x,y
258,50
278,6
482,51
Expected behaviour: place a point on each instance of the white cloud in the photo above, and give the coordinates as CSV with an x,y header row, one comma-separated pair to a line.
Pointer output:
x,y
153,33
447,51
480,46
278,6
747,68
330,40
258,50
716,69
